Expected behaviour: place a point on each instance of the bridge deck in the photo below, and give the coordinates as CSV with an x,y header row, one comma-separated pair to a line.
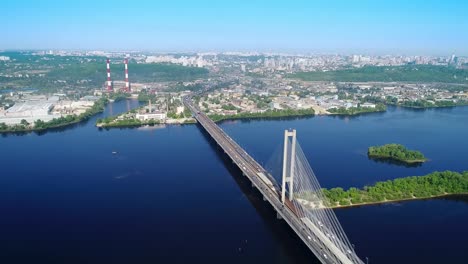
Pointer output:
x,y
323,249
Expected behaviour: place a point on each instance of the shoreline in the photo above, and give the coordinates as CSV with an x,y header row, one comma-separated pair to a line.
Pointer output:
x,y
355,114
230,117
84,117
396,201
216,120
233,118
259,116
427,107
99,126
29,130
375,157
265,117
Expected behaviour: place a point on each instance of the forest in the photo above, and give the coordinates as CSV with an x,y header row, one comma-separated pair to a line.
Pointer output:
x,y
406,73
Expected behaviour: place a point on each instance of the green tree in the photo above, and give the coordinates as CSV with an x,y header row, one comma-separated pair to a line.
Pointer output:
x,y
24,122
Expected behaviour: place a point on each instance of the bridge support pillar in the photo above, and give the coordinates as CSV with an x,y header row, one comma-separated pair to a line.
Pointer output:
x,y
278,216
289,155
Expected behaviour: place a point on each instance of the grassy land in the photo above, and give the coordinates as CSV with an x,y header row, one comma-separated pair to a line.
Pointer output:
x,y
435,184
408,73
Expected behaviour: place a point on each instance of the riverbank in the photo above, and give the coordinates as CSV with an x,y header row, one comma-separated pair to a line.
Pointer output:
x,y
133,123
357,110
432,185
399,200
269,114
390,158
123,121
61,122
423,104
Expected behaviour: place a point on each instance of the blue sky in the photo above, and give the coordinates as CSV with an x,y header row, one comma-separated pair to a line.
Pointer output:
x,y
375,27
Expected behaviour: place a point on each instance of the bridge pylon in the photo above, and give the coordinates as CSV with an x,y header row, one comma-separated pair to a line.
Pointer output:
x,y
288,164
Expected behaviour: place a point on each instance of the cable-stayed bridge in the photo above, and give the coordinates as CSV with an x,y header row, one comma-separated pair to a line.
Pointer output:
x,y
299,200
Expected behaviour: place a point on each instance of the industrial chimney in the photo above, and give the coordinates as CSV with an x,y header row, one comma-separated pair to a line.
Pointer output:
x,y
109,82
127,83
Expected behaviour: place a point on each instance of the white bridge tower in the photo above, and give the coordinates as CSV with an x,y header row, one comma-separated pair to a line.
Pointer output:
x,y
288,164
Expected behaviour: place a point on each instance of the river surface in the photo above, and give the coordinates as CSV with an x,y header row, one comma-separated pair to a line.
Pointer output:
x,y
168,195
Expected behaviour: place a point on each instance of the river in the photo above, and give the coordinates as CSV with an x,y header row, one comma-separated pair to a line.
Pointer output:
x,y
168,195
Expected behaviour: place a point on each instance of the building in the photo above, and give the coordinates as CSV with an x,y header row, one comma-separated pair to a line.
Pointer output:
x,y
29,111
243,68
369,105
350,104
89,98
180,110
118,85
155,116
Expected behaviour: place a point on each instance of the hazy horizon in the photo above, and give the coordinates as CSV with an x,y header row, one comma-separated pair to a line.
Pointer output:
x,y
261,52
417,28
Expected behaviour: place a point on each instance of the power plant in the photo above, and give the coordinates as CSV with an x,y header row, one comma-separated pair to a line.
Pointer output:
x,y
123,86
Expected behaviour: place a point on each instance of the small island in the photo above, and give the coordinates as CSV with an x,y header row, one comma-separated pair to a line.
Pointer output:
x,y
432,185
396,152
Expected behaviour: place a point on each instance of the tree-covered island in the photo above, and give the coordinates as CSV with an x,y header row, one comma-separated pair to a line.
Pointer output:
x,y
396,152
432,185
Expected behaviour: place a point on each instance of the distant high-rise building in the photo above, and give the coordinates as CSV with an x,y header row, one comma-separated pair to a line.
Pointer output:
x,y
453,60
356,58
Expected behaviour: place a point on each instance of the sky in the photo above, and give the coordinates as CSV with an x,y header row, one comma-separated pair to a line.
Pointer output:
x,y
314,26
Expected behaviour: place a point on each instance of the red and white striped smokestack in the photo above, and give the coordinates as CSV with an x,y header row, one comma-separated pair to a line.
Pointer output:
x,y
127,84
109,82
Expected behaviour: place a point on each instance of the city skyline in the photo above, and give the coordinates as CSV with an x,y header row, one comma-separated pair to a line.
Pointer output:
x,y
367,27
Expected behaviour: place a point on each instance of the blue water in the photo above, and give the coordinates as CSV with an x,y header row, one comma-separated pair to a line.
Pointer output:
x,y
169,196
